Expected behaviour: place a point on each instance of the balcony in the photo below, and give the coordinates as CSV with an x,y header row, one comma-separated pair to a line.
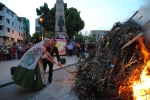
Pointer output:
x,y
2,13
2,33
2,22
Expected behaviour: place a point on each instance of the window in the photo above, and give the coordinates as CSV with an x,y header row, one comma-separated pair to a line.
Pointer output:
x,y
12,14
8,11
1,7
12,31
1,28
19,33
19,27
8,21
12,23
1,17
8,29
24,28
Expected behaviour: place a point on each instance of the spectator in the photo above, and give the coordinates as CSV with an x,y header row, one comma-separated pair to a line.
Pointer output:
x,y
78,49
6,53
1,53
12,52
57,36
90,47
20,50
82,46
70,48
16,50
60,36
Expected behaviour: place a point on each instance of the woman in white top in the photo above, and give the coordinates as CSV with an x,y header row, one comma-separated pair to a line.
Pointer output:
x,y
30,73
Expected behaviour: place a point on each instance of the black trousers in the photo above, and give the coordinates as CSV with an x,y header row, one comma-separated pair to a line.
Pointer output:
x,y
78,53
70,53
45,62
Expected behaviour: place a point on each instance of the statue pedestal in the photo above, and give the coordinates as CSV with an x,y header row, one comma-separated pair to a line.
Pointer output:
x,y
60,15
60,34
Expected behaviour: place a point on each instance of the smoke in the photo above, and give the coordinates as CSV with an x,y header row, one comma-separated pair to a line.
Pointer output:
x,y
143,15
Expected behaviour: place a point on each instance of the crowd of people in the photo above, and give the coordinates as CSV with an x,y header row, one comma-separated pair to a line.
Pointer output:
x,y
80,48
14,51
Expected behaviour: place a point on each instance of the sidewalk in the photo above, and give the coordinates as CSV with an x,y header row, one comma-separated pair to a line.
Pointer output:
x,y
6,65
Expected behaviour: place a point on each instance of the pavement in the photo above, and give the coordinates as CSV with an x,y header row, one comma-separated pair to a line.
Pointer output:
x,y
60,88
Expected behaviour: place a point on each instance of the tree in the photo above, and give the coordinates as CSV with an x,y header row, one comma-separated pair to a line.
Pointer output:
x,y
37,37
79,37
73,21
49,34
91,39
47,16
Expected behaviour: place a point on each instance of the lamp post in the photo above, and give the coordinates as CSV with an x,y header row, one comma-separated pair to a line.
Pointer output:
x,y
41,20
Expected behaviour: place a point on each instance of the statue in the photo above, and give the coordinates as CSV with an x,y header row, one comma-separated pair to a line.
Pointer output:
x,y
60,23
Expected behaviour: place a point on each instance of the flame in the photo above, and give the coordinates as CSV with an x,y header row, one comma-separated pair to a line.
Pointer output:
x,y
143,49
141,86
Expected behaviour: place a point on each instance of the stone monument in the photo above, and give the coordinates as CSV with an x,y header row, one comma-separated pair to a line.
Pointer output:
x,y
60,27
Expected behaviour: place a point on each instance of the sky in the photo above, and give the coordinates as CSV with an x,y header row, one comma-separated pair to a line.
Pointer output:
x,y
97,14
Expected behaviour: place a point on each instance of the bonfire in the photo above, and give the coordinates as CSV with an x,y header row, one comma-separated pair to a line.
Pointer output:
x,y
118,68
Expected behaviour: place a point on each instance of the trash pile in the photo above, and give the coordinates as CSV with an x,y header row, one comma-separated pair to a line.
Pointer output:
x,y
110,70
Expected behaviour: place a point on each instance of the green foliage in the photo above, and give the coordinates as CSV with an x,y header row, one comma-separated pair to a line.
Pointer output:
x,y
79,37
28,38
74,23
42,10
37,37
91,39
48,34
84,38
47,16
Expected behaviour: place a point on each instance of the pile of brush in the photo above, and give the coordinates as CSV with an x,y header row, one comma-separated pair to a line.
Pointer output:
x,y
111,64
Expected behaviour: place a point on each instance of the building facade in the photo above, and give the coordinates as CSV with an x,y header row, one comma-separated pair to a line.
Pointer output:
x,y
98,33
37,25
27,25
12,27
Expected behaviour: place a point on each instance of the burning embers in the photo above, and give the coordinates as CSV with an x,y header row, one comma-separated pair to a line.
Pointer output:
x,y
141,87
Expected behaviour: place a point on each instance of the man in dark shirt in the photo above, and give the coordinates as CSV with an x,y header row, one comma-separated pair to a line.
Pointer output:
x,y
82,46
51,49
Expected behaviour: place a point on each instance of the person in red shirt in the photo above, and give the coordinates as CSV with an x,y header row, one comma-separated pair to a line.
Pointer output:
x,y
78,49
12,52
